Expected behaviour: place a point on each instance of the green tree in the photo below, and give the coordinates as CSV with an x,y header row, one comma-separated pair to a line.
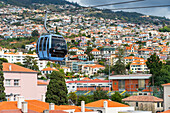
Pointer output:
x,y
155,65
57,90
35,33
111,42
128,66
31,63
81,98
99,94
73,97
117,97
90,56
119,67
94,39
3,60
89,49
2,88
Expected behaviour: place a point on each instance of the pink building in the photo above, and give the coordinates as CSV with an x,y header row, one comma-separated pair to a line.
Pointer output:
x,y
20,81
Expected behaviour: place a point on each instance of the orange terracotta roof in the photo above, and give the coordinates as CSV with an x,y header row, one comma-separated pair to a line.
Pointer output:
x,y
77,108
86,78
97,66
143,99
16,68
49,69
100,103
168,84
95,50
168,111
42,83
73,48
38,106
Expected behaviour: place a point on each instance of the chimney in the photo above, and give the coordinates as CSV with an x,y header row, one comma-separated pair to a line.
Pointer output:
x,y
11,98
82,106
19,101
51,106
46,111
24,107
43,98
105,104
10,68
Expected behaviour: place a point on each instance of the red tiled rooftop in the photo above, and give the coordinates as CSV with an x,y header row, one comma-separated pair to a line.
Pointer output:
x,y
100,103
16,68
141,98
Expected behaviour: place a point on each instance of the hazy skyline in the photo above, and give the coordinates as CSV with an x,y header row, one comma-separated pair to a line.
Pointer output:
x,y
164,11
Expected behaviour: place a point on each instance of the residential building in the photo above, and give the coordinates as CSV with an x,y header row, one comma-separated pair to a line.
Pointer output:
x,y
96,53
139,66
20,56
166,96
92,69
48,70
20,81
35,106
145,103
87,85
108,106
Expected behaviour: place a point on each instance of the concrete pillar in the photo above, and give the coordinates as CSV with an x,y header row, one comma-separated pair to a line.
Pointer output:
x,y
82,106
24,107
51,106
19,101
43,98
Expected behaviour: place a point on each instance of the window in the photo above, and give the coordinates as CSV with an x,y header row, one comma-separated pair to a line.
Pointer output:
x,y
158,104
136,104
40,47
161,104
141,83
73,86
16,82
44,45
121,84
7,82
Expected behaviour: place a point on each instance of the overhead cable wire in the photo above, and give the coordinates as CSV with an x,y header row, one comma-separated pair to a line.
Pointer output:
x,y
118,3
101,5
141,7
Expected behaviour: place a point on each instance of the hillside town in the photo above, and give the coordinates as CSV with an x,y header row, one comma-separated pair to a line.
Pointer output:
x,y
104,55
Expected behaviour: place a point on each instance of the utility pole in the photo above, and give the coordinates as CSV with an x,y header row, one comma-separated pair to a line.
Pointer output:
x,y
109,75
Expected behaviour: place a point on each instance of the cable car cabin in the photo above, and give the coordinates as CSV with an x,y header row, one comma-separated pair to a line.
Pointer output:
x,y
51,47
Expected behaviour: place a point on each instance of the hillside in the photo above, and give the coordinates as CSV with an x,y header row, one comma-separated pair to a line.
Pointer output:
x,y
28,3
131,17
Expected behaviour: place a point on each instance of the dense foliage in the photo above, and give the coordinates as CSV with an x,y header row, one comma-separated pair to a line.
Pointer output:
x,y
160,72
165,29
28,3
2,88
57,90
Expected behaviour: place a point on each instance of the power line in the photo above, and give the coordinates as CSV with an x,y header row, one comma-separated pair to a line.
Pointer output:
x,y
141,7
118,3
115,3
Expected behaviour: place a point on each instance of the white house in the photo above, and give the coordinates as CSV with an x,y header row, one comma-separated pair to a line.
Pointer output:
x,y
108,106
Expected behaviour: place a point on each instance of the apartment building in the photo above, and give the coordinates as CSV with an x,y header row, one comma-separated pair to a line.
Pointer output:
x,y
20,81
87,84
20,56
139,66
166,96
145,103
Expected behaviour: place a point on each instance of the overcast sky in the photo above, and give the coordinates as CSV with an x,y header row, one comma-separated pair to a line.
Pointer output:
x,y
164,11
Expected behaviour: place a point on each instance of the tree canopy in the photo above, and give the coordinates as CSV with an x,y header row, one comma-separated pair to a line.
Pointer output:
x,y
2,88
57,90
